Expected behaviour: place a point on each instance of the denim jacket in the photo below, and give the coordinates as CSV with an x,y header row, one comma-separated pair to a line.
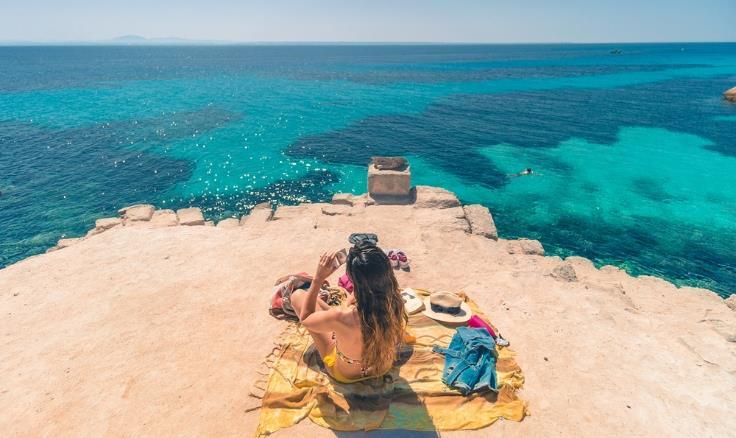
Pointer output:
x,y
470,361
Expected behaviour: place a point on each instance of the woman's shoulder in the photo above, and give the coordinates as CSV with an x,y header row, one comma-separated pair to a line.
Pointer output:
x,y
343,314
346,315
328,320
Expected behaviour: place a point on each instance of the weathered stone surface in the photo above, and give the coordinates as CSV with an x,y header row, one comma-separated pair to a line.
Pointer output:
x,y
434,197
580,261
610,269
705,294
440,219
336,210
525,246
342,199
565,272
260,213
65,243
257,216
730,94
513,247
358,200
389,183
138,212
190,216
481,221
389,163
104,224
164,218
209,224
290,211
140,271
659,282
107,223
230,222
533,247
731,302
364,200
94,232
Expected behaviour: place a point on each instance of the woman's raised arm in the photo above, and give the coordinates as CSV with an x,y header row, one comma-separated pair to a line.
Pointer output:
x,y
325,267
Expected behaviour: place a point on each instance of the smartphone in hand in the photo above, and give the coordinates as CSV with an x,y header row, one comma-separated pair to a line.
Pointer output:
x,y
340,257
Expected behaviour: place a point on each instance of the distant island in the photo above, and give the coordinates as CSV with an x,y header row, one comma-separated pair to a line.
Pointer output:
x,y
123,40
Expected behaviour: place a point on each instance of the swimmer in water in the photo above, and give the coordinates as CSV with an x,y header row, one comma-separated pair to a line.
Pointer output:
x,y
527,171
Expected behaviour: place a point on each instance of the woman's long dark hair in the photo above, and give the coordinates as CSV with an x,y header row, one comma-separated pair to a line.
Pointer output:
x,y
379,303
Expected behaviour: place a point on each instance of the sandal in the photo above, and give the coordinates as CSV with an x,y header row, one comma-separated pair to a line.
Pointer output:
x,y
403,261
393,258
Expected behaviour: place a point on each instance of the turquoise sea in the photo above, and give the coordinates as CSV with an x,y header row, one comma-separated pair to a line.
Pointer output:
x,y
634,154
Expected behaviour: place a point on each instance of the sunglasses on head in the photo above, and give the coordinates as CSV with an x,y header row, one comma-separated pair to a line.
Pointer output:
x,y
358,239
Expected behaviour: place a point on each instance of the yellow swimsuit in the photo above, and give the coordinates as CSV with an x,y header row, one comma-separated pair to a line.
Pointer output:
x,y
330,362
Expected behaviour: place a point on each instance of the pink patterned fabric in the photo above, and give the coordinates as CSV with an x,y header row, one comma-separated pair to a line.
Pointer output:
x,y
345,283
286,285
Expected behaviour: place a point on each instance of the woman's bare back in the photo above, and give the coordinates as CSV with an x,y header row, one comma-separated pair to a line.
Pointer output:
x,y
341,332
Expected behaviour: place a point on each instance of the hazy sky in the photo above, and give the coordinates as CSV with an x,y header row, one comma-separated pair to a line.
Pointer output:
x,y
372,20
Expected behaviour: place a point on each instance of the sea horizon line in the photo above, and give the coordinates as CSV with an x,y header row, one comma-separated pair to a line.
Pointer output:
x,y
186,42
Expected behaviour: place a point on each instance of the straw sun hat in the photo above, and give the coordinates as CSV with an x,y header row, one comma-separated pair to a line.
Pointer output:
x,y
446,307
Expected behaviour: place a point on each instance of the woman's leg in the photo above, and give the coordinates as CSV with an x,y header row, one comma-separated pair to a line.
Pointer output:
x,y
322,341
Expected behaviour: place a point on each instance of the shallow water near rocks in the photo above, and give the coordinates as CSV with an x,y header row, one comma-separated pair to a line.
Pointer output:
x,y
634,155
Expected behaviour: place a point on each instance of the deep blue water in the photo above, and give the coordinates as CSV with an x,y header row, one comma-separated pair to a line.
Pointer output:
x,y
634,154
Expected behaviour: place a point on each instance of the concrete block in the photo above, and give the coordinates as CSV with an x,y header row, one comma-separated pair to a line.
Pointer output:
x,y
164,218
138,212
389,183
190,216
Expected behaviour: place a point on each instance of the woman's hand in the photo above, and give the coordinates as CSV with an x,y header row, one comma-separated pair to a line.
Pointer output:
x,y
351,300
325,267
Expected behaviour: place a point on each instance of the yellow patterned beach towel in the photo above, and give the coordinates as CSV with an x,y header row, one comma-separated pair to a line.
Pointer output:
x,y
410,397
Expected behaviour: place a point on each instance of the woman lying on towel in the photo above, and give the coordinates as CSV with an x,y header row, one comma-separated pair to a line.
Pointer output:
x,y
358,342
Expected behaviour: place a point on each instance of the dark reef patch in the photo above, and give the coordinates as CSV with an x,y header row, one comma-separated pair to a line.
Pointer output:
x,y
450,132
55,181
429,135
310,187
651,189
153,131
